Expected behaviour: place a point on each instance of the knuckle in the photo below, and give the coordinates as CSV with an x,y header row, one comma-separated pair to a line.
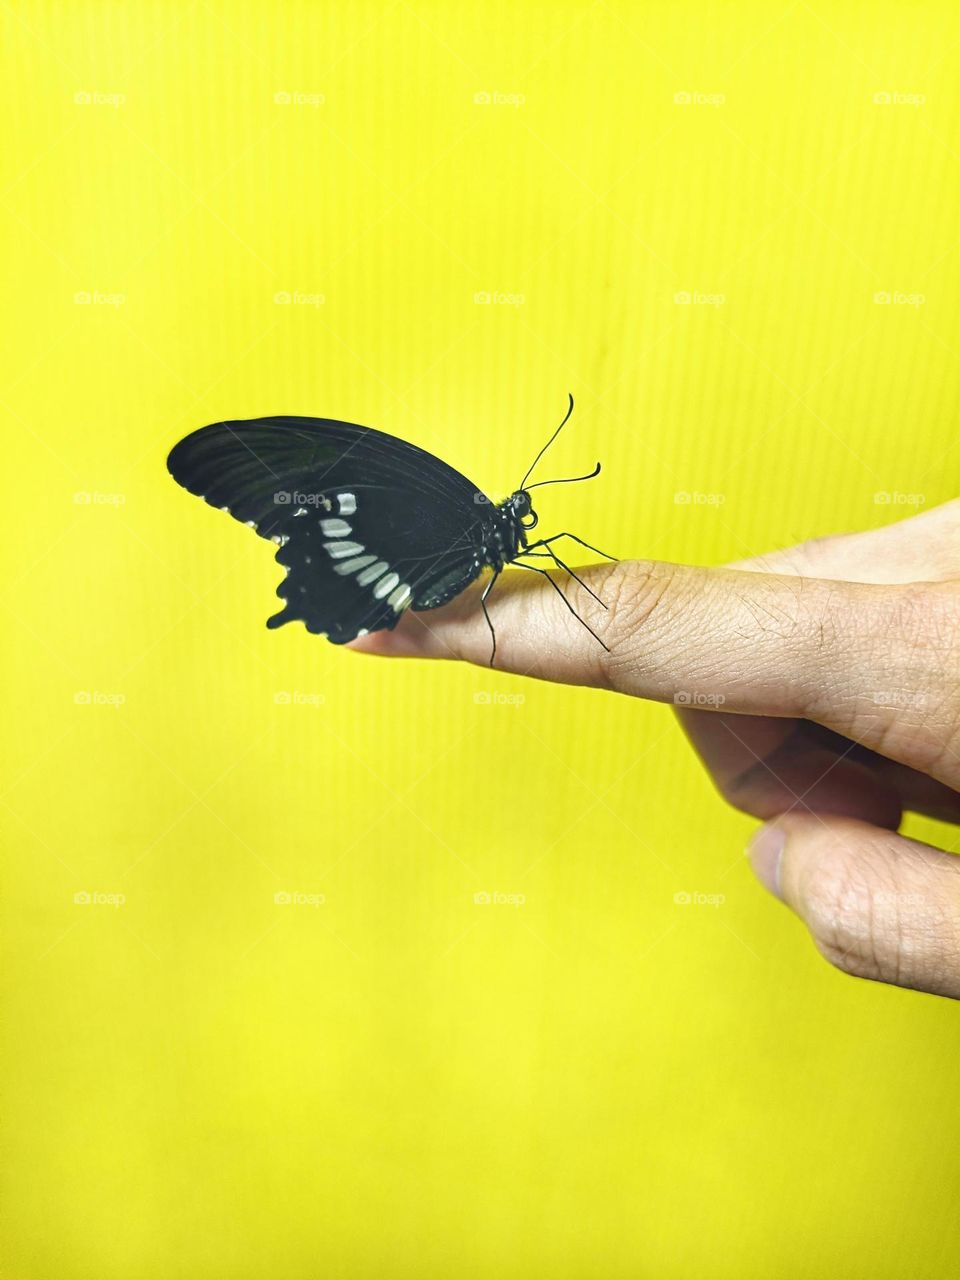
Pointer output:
x,y
876,921
638,595
894,664
920,646
847,929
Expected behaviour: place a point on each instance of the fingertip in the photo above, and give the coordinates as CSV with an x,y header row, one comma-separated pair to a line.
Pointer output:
x,y
765,852
383,644
412,637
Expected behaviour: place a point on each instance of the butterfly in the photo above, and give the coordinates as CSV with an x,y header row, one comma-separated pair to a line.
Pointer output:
x,y
367,526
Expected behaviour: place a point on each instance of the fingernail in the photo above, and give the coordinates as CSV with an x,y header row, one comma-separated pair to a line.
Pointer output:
x,y
765,851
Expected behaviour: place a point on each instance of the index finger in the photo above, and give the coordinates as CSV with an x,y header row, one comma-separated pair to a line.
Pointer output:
x,y
873,662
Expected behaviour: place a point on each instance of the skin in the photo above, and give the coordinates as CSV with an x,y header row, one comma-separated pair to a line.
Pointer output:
x,y
832,671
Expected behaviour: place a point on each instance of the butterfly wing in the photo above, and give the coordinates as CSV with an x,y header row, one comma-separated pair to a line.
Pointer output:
x,y
367,525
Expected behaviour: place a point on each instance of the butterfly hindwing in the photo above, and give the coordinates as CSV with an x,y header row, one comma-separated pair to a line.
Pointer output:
x,y
368,525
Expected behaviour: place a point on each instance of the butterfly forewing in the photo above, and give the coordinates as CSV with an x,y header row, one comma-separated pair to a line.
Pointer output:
x,y
368,525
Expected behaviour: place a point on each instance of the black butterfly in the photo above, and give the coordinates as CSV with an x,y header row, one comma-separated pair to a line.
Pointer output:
x,y
367,525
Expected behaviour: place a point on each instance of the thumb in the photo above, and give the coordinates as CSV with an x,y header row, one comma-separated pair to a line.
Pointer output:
x,y
878,905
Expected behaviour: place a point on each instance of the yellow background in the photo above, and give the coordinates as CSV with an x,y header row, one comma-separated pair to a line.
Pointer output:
x,y
202,1082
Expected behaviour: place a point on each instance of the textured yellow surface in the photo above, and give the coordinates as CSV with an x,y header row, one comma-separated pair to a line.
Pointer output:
x,y
397,1080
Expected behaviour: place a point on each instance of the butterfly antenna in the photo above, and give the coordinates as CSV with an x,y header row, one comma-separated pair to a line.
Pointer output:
x,y
567,480
549,443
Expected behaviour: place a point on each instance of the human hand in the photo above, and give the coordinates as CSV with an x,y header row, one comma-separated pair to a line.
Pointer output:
x,y
821,688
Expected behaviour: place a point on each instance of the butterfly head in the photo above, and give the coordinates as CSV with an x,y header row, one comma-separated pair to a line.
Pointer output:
x,y
520,506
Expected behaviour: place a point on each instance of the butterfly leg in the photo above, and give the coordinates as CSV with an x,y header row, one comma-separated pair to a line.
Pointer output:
x,y
483,605
545,542
551,554
543,572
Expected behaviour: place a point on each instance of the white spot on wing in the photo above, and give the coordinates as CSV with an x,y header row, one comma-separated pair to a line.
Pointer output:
x,y
335,528
400,597
348,503
351,566
372,574
301,511
338,550
386,585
